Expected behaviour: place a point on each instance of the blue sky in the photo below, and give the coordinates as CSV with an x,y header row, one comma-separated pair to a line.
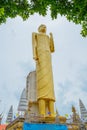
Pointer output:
x,y
69,61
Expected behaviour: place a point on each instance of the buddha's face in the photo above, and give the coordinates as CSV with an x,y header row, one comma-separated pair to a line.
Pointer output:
x,y
42,29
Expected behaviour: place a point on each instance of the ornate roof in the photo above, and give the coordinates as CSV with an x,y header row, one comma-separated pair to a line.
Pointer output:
x,y
2,127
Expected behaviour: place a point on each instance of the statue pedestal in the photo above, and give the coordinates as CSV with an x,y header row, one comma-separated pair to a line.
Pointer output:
x,y
62,119
43,126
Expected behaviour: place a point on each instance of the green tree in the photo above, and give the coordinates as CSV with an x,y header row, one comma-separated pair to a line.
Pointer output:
x,y
73,10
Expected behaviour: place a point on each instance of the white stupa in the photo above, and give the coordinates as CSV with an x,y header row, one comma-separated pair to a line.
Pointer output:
x,y
1,116
83,111
10,115
23,104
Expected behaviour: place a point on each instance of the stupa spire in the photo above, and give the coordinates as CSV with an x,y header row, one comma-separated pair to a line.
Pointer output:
x,y
83,111
10,115
1,116
22,106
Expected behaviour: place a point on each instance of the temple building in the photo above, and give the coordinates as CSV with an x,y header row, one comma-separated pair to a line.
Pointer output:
x,y
16,124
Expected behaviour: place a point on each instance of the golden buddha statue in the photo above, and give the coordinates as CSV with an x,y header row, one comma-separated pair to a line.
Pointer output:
x,y
43,46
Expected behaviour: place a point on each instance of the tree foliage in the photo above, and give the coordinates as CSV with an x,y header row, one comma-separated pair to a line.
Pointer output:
x,y
73,10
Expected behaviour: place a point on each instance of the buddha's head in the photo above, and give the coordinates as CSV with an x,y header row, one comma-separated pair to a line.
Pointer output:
x,y
42,28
